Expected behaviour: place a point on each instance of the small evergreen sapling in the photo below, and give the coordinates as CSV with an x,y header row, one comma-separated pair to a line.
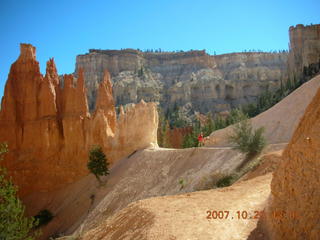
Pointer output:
x,y
98,164
246,139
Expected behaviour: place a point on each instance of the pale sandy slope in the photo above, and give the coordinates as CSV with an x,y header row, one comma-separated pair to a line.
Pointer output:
x,y
157,172
279,121
185,216
147,173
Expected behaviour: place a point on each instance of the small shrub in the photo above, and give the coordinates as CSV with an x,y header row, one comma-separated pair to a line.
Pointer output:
x,y
209,182
43,217
98,164
182,183
258,142
236,115
225,181
219,180
246,139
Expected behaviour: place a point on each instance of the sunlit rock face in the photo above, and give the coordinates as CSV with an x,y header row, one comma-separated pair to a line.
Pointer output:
x,y
293,211
209,83
304,48
49,129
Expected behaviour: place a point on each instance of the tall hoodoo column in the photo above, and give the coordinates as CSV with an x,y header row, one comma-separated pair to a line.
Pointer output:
x,y
49,129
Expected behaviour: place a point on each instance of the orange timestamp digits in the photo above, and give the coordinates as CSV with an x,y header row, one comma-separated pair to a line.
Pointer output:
x,y
214,214
217,214
236,215
284,214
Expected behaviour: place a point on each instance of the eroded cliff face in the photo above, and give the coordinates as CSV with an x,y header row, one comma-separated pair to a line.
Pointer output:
x,y
209,83
293,212
49,129
304,48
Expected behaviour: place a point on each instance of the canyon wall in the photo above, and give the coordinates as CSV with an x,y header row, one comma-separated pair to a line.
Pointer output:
x,y
304,48
293,212
49,129
208,83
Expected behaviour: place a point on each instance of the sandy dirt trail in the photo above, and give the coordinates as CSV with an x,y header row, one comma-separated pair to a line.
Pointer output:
x,y
185,216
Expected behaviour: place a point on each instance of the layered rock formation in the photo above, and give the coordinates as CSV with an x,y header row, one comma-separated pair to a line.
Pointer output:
x,y
209,83
294,210
49,129
304,48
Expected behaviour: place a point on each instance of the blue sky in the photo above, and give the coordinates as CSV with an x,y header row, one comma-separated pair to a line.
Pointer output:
x,y
64,29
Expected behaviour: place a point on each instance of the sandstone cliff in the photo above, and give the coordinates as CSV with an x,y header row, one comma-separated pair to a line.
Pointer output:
x,y
294,210
209,83
304,48
49,129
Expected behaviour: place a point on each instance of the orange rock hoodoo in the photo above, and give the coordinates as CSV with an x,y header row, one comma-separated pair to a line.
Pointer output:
x,y
294,209
49,129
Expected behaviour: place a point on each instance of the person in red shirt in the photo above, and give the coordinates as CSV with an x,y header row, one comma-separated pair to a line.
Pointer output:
x,y
200,140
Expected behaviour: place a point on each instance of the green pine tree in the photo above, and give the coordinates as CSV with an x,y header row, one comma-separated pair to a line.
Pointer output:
x,y
161,126
219,123
166,141
97,163
208,128
246,139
